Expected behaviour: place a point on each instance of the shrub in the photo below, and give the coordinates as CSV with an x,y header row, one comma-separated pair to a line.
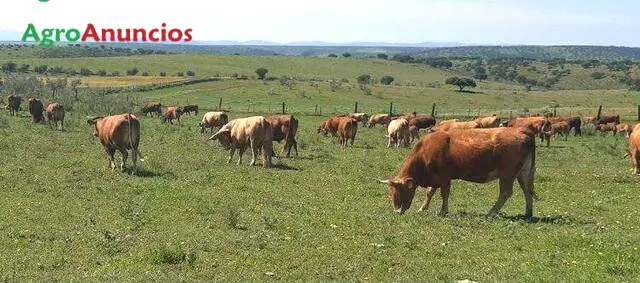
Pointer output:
x,y
460,82
386,80
132,72
163,74
332,55
23,68
598,75
382,56
85,72
191,73
145,74
9,67
180,74
102,73
346,54
261,72
115,74
364,79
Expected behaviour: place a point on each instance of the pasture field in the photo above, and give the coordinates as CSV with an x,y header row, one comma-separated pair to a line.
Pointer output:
x,y
189,216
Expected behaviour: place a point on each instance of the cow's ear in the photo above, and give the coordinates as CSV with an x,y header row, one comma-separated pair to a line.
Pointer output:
x,y
384,181
409,182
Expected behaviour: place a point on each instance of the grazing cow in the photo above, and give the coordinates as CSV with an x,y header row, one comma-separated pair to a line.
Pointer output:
x,y
609,119
398,133
574,123
488,122
171,113
55,114
36,108
118,132
343,127
284,127
604,128
187,109
447,121
540,125
422,121
14,104
560,127
474,155
152,107
623,128
455,125
213,119
381,119
589,120
254,132
360,117
414,133
634,148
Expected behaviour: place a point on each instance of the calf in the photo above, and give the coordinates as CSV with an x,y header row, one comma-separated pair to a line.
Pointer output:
x,y
187,109
360,117
474,155
55,114
604,128
560,127
379,119
213,119
254,132
14,104
152,107
398,133
171,113
36,108
118,132
623,128
284,127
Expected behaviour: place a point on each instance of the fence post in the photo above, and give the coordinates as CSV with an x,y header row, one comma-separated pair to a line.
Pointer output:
x,y
283,108
220,104
355,110
315,111
391,108
638,112
554,111
433,109
599,112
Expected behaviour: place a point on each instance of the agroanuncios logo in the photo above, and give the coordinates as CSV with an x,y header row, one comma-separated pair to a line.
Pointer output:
x,y
49,36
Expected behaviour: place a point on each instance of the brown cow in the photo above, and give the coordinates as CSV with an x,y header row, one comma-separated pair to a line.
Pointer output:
x,y
422,121
187,109
343,127
623,128
609,119
398,133
55,114
574,123
634,148
14,104
254,132
213,119
152,107
455,125
36,108
589,119
381,119
118,132
604,128
171,113
447,121
540,125
488,122
284,127
474,155
560,127
360,117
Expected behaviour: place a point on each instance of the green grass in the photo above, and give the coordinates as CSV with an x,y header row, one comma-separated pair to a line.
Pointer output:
x,y
191,216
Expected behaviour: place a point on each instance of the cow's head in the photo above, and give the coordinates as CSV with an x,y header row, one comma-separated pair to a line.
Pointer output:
x,y
323,128
94,121
401,192
201,125
224,137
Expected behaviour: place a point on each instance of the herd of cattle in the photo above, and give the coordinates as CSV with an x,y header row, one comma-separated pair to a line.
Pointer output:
x,y
480,150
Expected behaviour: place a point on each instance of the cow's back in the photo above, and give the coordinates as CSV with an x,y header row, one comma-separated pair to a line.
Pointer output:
x,y
120,131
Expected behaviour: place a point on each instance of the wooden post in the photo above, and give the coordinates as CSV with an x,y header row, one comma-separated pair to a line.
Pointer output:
x,y
315,111
355,110
638,112
599,112
433,109
220,104
391,108
283,108
554,111
510,115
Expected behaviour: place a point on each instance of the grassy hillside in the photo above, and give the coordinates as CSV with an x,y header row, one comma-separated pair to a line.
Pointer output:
x,y
606,53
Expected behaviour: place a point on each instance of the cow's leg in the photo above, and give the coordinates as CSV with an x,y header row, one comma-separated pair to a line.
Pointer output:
x,y
134,156
254,152
430,192
527,190
506,189
548,138
390,141
232,151
110,154
125,154
636,162
62,125
445,190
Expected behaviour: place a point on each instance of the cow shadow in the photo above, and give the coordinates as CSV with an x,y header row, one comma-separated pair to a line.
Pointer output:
x,y
551,219
144,173
282,166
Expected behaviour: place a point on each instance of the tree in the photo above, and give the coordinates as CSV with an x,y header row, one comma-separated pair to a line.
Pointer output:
x,y
346,54
386,80
85,72
9,67
382,56
460,82
332,55
634,84
438,62
191,73
163,74
480,73
23,68
41,69
262,73
102,73
364,79
132,72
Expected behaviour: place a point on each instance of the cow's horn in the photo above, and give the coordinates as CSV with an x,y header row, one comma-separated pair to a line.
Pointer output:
x,y
383,181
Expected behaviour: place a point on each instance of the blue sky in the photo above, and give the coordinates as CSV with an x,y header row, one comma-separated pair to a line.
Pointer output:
x,y
543,22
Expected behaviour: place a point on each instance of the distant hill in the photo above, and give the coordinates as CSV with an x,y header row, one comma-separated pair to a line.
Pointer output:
x,y
603,53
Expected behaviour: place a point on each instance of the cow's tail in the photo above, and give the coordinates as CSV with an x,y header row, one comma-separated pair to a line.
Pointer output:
x,y
530,171
134,147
